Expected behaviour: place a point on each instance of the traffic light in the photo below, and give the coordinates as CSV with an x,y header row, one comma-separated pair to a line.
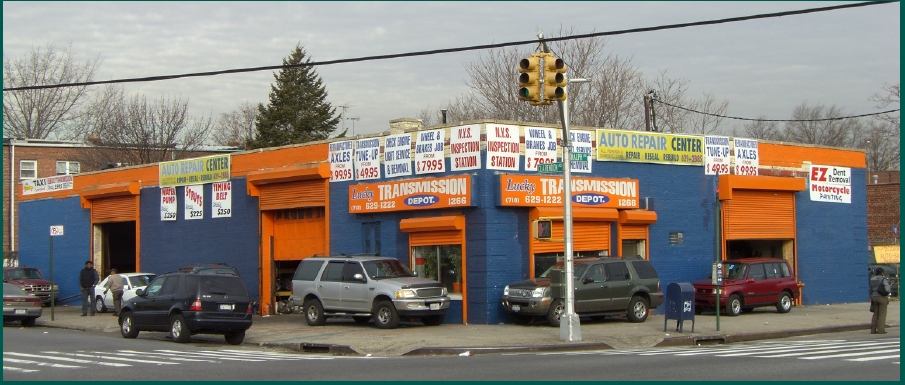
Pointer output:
x,y
542,229
529,79
554,78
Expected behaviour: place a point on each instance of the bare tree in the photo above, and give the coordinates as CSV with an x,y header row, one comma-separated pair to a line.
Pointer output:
x,y
43,113
237,127
759,129
709,121
883,133
820,125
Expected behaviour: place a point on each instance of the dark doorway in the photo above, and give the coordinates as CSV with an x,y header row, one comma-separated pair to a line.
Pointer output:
x,y
118,246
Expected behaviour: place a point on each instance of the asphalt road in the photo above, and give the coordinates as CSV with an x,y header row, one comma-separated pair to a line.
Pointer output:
x,y
59,354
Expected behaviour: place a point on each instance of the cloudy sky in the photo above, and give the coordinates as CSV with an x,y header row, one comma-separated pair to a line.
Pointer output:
x,y
762,67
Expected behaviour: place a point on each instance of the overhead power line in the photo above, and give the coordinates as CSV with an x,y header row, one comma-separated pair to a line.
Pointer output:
x,y
776,120
451,50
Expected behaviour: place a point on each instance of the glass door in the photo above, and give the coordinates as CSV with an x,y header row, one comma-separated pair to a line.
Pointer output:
x,y
440,262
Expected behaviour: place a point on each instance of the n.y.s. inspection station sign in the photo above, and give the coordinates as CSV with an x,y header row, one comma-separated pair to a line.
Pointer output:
x,y
194,171
648,147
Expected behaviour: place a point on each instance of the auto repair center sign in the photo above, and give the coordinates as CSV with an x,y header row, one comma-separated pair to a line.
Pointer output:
x,y
831,184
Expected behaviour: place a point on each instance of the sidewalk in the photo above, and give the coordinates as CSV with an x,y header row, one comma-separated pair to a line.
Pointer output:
x,y
344,337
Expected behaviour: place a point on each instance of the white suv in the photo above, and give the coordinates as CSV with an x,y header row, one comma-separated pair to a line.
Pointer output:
x,y
366,287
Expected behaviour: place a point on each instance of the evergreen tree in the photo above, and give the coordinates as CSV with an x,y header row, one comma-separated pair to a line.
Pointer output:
x,y
298,111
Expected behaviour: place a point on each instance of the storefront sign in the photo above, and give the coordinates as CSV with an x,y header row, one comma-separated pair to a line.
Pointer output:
x,y
412,194
538,191
397,155
194,202
340,154
53,183
429,152
222,201
367,159
502,147
193,171
746,157
716,155
886,254
540,147
647,147
831,184
581,142
167,203
465,148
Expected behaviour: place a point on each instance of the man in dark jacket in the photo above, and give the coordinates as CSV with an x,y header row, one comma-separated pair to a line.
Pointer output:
x,y
879,301
87,280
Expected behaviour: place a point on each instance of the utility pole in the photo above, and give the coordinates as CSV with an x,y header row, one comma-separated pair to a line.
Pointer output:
x,y
353,124
342,118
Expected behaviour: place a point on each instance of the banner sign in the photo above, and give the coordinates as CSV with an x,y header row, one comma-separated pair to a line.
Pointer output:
x,y
429,157
716,155
340,154
397,155
649,147
465,148
886,254
194,202
222,202
412,194
193,171
167,203
547,191
502,147
831,184
367,159
746,157
581,142
540,147
53,183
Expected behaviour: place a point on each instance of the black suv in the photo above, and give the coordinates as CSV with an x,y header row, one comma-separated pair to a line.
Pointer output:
x,y
603,286
209,268
189,303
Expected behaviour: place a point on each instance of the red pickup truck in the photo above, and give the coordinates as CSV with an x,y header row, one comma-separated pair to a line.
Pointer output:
x,y
32,281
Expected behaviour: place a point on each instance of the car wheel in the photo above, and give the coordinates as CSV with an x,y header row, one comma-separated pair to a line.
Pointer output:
x,y
314,313
385,316
554,315
361,319
785,302
637,309
178,330
99,305
734,305
28,322
126,326
519,319
235,338
433,320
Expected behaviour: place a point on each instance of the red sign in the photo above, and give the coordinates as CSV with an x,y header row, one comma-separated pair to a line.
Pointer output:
x,y
412,194
547,191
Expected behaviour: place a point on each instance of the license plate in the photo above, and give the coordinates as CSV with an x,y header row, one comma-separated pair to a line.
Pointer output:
x,y
226,306
435,306
21,311
516,308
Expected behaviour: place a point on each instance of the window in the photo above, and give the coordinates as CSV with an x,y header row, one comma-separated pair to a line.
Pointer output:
x,y
67,167
333,272
308,270
785,270
28,169
645,270
350,270
616,271
442,263
757,272
772,270
371,232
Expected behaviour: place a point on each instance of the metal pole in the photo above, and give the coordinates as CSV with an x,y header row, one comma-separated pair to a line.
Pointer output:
x,y
52,282
718,243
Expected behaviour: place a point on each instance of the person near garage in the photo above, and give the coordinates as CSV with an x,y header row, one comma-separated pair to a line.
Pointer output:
x,y
87,280
115,284
879,298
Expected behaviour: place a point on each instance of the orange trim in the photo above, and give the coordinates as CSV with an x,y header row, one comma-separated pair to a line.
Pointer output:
x,y
793,155
290,173
106,191
411,225
637,217
578,213
746,182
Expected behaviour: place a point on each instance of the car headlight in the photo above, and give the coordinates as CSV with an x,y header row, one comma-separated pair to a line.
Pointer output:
x,y
444,292
405,293
56,288
506,290
539,292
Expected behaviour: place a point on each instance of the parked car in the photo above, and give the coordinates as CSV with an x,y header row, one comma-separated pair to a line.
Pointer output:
x,y
19,305
890,272
211,268
189,303
132,282
366,287
749,283
32,281
627,286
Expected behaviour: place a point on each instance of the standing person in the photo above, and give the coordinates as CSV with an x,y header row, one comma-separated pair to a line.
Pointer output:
x,y
879,298
87,280
115,284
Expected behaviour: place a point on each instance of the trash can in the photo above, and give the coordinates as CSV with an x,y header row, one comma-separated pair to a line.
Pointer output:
x,y
679,304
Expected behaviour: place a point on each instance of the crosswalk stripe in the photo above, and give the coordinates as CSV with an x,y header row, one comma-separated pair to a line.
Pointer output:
x,y
211,355
30,362
155,354
15,369
807,350
850,354
67,359
262,355
106,356
874,358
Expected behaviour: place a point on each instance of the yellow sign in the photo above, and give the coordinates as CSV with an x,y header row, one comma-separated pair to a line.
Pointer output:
x,y
886,254
194,171
649,147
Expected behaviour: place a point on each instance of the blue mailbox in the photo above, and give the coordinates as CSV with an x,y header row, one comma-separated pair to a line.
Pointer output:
x,y
679,304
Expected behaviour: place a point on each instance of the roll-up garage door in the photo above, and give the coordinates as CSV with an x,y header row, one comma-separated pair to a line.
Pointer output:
x,y
586,236
303,193
114,209
429,238
759,214
634,232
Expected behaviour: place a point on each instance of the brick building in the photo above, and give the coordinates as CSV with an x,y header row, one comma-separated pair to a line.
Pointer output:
x,y
883,200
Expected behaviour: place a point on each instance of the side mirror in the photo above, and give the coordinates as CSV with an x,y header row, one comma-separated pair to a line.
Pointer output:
x,y
587,280
415,273
359,277
140,292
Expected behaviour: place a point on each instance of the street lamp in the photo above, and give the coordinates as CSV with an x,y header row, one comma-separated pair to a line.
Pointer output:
x,y
353,124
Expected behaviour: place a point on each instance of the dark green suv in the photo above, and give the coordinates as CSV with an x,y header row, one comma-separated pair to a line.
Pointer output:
x,y
603,286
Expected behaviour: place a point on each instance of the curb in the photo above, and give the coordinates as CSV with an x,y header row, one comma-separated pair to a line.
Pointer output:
x,y
306,347
441,351
744,337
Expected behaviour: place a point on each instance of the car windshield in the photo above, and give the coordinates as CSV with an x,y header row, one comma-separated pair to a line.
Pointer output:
x,y
387,268
10,289
734,270
561,264
25,274
141,280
